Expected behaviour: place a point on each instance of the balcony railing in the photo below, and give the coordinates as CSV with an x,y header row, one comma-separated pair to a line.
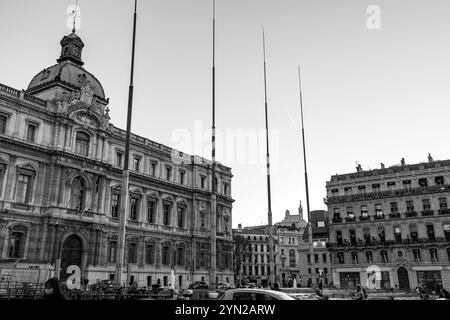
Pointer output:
x,y
444,211
350,219
337,219
411,214
427,213
395,215
379,217
389,193
364,218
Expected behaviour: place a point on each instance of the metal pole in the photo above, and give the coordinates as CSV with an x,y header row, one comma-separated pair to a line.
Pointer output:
x,y
310,238
124,203
269,200
212,267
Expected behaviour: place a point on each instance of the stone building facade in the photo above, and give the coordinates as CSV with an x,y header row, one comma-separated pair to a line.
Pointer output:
x,y
255,267
60,179
290,231
317,268
391,226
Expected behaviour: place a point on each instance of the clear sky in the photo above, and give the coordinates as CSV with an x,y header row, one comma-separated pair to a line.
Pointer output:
x,y
369,95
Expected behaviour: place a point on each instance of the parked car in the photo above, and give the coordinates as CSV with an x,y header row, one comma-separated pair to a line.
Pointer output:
x,y
223,285
198,285
106,286
254,294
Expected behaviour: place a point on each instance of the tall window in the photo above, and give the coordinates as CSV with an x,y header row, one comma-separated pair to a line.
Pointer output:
x,y
78,193
413,232
324,257
151,211
355,257
166,254
115,205
202,219
132,252
134,208
180,216
423,182
364,213
150,253
366,232
434,255
369,256
3,121
442,203
23,194
394,207
153,165
336,213
202,182
168,173
82,143
409,206
119,157
340,257
316,258
350,213
426,204
439,180
182,174
378,210
430,232
17,242
416,253
398,234
225,188
353,237
339,237
292,258
166,214
31,132
180,255
112,251
381,234
384,256
137,164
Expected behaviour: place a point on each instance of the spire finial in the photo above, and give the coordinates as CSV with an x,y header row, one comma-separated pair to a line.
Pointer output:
x,y
75,12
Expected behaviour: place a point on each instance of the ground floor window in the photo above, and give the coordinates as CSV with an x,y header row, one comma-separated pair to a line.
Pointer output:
x,y
431,280
385,280
349,280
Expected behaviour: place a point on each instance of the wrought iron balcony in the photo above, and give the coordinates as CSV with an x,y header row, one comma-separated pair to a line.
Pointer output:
x,y
444,211
337,220
350,219
389,193
364,218
379,217
411,214
395,215
427,213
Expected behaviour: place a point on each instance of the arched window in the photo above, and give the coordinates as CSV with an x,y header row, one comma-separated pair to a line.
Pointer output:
x,y
384,256
78,193
355,257
82,143
292,258
166,253
17,238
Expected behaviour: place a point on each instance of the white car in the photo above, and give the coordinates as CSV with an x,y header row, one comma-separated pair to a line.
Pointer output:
x,y
254,294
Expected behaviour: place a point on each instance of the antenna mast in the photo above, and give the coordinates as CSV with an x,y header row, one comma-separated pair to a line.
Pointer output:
x,y
269,200
212,268
310,237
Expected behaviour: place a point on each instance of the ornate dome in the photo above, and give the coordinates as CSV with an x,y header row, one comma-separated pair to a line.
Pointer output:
x,y
68,73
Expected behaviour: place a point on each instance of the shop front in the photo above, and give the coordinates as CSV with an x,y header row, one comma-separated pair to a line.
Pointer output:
x,y
349,280
431,280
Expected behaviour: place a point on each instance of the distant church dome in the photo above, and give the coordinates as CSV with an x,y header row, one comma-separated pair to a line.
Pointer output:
x,y
68,73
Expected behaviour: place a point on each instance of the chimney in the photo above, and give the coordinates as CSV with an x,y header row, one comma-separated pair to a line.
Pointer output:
x,y
403,162
240,227
359,168
430,158
287,213
382,165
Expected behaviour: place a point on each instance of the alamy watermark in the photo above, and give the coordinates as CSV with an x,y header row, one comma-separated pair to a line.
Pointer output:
x,y
374,19
74,18
234,146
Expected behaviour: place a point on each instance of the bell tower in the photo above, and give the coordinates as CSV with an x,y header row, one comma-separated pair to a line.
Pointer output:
x,y
71,49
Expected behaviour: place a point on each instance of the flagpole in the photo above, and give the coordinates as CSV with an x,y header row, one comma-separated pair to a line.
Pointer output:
x,y
310,236
212,267
124,203
269,200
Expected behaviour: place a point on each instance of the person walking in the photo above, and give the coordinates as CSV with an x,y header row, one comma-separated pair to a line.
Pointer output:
x,y
52,290
360,293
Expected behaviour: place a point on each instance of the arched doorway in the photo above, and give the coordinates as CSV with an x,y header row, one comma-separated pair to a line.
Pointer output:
x,y
71,255
403,279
